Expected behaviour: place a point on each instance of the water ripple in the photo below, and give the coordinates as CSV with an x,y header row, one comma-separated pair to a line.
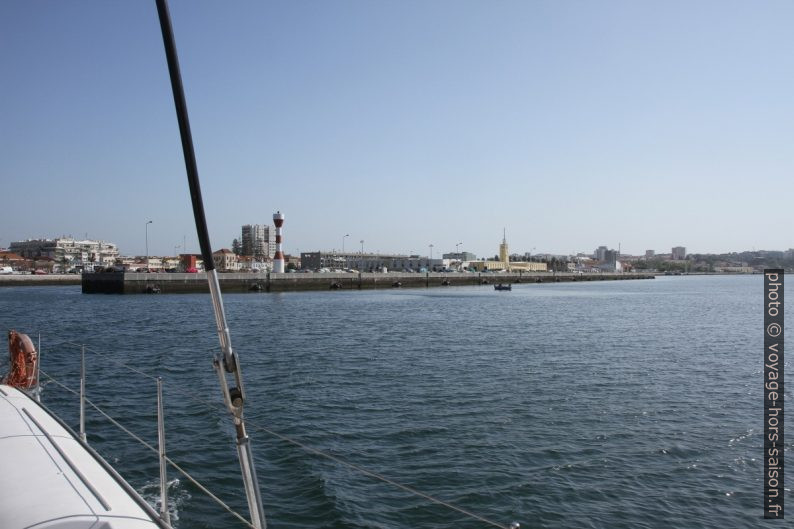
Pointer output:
x,y
622,404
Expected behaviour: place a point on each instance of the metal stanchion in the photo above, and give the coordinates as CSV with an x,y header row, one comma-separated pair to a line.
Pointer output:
x,y
82,394
161,446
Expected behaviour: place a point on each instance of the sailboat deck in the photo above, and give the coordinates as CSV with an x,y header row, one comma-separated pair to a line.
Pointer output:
x,y
49,479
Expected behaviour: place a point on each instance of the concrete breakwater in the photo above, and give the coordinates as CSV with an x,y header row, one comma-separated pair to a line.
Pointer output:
x,y
135,283
34,280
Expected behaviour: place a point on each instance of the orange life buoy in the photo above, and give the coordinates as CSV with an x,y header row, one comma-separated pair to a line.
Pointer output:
x,y
23,361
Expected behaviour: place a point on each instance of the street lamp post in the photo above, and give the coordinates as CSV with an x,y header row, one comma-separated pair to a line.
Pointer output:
x,y
147,243
431,258
361,267
347,264
460,257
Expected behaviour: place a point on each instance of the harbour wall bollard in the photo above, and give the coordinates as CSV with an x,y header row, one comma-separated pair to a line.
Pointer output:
x,y
168,283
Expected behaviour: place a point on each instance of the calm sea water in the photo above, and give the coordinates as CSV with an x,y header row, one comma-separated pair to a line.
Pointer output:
x,y
631,404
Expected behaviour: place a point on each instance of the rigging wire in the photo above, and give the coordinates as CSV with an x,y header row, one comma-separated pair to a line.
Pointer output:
x,y
375,475
114,360
190,478
370,473
357,468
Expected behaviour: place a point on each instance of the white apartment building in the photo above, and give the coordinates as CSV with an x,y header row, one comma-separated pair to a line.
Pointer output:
x,y
67,252
258,240
371,262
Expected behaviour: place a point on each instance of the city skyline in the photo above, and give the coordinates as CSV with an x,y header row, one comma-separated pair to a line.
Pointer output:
x,y
600,253
403,125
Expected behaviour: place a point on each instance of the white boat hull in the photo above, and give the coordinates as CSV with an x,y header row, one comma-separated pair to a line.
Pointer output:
x,y
50,479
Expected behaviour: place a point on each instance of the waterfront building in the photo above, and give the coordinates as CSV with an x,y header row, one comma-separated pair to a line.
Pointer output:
x,y
13,260
189,261
585,265
512,266
150,263
649,254
487,266
600,253
606,260
170,263
252,264
460,256
734,269
610,265
130,264
370,262
68,253
679,253
258,240
604,255
504,262
225,260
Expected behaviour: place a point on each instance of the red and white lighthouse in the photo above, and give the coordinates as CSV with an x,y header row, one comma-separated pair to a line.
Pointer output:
x,y
278,259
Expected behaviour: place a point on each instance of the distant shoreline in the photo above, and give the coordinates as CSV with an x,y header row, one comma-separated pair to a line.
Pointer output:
x,y
18,280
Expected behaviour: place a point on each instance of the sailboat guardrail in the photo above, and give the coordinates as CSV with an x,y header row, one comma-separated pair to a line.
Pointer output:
x,y
213,406
160,450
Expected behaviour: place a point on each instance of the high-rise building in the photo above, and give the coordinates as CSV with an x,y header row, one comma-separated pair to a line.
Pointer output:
x,y
600,253
679,253
649,254
258,240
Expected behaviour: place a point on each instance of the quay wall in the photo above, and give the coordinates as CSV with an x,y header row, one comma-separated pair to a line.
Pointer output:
x,y
13,280
138,283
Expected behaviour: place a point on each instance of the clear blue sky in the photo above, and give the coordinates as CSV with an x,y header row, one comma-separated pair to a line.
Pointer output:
x,y
404,123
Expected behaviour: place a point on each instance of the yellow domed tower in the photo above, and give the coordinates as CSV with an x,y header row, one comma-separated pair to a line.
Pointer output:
x,y
503,253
